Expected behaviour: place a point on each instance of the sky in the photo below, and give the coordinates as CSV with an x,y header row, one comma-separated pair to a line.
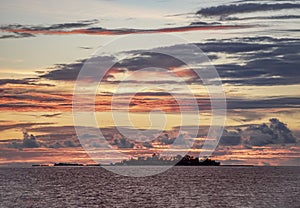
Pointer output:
x,y
54,52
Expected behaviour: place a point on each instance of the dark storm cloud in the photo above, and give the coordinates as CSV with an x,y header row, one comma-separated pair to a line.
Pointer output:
x,y
224,10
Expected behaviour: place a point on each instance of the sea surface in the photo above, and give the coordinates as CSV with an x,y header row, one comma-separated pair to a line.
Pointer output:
x,y
178,187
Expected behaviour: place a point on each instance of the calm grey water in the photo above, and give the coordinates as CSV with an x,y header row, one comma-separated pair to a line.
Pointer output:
x,y
178,187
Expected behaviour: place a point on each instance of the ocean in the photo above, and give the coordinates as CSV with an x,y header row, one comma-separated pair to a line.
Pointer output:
x,y
242,187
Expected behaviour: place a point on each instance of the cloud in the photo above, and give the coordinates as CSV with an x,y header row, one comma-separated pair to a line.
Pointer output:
x,y
246,136
29,141
26,81
138,60
147,145
25,106
224,10
86,47
52,140
265,60
273,62
223,46
122,142
63,144
23,98
143,60
51,115
42,155
230,138
17,35
65,72
205,23
36,97
4,126
69,72
245,115
166,139
65,136
53,27
270,141
279,17
285,102
275,132
60,29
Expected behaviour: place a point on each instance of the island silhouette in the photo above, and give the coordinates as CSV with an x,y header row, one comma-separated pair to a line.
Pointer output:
x,y
154,160
178,160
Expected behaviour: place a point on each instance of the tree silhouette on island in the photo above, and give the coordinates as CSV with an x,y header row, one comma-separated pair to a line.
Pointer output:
x,y
178,160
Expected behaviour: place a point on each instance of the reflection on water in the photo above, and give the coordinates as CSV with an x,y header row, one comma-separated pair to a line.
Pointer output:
x,y
177,187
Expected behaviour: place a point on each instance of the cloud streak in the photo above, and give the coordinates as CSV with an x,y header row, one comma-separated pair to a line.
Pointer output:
x,y
17,35
103,31
281,17
224,10
26,81
4,127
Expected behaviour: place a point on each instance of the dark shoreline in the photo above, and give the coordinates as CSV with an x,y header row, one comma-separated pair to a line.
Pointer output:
x,y
107,165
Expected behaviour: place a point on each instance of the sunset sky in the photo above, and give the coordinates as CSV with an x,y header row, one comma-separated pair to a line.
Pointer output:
x,y
253,45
